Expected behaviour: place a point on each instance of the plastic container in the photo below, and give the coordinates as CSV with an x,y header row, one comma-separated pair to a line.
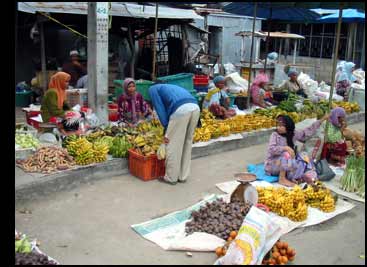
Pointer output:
x,y
77,97
201,88
145,167
241,102
23,99
184,80
201,80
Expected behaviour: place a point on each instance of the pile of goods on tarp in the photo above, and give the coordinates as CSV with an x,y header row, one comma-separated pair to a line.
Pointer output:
x,y
218,218
355,140
280,253
47,160
293,203
26,255
212,128
353,179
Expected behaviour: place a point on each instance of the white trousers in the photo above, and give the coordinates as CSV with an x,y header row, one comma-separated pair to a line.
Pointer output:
x,y
180,133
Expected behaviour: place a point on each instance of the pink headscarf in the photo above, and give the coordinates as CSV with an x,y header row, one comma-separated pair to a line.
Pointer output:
x,y
261,78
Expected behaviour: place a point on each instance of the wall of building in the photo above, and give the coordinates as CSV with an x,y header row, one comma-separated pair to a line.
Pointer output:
x,y
231,44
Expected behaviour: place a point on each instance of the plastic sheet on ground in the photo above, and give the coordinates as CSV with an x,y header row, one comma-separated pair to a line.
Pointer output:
x,y
315,216
168,231
334,185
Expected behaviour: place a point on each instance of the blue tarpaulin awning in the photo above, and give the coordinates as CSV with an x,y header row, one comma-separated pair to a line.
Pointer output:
x,y
279,12
349,15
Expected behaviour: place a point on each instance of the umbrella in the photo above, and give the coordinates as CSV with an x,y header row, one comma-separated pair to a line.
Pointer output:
x,y
280,11
349,15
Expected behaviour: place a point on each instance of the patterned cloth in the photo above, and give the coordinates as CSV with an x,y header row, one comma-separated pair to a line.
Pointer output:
x,y
300,168
125,108
257,88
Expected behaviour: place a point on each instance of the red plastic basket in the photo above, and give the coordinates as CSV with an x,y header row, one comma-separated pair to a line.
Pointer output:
x,y
145,167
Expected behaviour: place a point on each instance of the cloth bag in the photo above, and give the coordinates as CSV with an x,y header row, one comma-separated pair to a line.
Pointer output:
x,y
323,170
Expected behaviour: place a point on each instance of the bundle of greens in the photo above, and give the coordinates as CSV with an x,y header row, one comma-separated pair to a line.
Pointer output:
x,y
353,179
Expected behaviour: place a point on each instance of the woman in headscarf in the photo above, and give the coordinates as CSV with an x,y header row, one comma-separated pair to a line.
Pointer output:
x,y
131,105
257,90
282,157
335,147
54,101
217,100
292,85
344,79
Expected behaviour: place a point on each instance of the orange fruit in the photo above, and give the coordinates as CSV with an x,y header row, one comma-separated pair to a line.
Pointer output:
x,y
229,239
284,259
219,251
289,251
233,234
224,251
285,245
275,249
283,252
279,245
276,255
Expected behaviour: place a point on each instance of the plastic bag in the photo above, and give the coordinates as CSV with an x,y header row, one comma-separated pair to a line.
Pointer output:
x,y
256,237
236,83
161,152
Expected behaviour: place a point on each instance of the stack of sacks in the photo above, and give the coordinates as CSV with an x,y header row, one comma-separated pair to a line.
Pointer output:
x,y
236,84
310,86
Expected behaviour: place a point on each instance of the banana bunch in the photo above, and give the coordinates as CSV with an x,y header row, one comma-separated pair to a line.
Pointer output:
x,y
144,127
105,140
287,203
120,147
68,139
139,141
202,135
100,152
349,107
161,152
327,204
82,151
95,135
300,213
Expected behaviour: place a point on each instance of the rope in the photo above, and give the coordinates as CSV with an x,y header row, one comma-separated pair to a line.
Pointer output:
x,y
55,20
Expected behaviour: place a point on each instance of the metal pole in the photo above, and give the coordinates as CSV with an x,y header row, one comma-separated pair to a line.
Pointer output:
x,y
335,54
355,41
322,40
268,39
252,50
309,48
280,48
154,42
295,51
43,57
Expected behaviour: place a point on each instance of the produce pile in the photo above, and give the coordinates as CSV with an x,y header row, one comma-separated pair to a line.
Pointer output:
x,y
280,253
293,203
26,140
85,152
284,202
148,139
318,196
47,160
24,254
218,218
32,258
353,179
356,140
212,128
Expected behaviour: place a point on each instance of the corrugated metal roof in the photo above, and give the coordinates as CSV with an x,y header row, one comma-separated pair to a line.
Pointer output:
x,y
272,34
117,9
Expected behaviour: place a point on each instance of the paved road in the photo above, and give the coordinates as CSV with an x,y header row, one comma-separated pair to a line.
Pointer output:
x,y
91,224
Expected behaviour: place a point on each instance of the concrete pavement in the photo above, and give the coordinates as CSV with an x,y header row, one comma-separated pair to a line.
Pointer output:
x,y
90,224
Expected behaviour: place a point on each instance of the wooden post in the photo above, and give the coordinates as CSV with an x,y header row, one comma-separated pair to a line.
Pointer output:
x,y
322,40
355,41
268,39
252,50
280,48
336,52
288,30
43,57
154,43
132,47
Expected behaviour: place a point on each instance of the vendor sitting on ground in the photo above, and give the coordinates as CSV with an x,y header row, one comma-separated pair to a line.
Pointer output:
x,y
258,90
344,79
282,158
335,147
131,106
217,100
292,85
54,101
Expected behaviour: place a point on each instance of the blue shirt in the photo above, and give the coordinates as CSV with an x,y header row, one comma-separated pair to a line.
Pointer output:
x,y
167,98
